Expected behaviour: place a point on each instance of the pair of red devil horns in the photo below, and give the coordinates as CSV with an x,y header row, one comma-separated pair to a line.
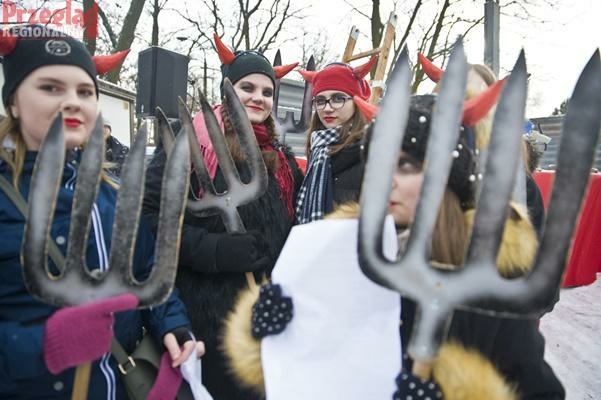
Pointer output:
x,y
103,63
474,109
227,57
359,72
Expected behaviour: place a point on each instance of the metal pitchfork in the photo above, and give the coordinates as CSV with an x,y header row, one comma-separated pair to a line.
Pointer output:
x,y
76,284
477,285
288,124
238,193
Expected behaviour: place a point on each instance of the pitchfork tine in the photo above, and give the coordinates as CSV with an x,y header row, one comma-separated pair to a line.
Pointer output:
x,y
41,203
581,126
198,162
129,205
237,192
86,189
76,285
247,139
444,130
378,171
230,173
173,203
501,165
165,132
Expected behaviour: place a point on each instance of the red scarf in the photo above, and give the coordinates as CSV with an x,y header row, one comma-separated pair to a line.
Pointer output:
x,y
283,175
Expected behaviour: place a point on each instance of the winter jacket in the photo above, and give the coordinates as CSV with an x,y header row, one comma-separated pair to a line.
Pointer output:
x,y
115,152
484,358
208,292
347,174
515,347
23,374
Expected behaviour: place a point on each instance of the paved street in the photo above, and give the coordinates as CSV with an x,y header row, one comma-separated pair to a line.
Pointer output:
x,y
573,334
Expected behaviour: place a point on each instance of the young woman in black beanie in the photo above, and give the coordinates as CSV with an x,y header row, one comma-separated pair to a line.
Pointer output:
x,y
47,72
212,262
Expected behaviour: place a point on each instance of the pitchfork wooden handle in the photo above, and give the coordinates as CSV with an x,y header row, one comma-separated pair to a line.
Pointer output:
x,y
81,381
422,369
252,283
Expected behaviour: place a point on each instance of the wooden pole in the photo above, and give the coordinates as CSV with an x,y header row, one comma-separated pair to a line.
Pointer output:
x,y
378,81
350,44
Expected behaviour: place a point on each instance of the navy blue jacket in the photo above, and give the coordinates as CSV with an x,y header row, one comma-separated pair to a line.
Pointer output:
x,y
23,374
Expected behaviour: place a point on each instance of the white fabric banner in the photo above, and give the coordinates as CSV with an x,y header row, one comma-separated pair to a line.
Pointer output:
x,y
343,341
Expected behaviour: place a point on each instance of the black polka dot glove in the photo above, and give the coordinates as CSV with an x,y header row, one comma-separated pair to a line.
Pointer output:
x,y
411,387
271,313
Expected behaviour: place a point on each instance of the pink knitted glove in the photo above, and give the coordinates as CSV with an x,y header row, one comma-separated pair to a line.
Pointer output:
x,y
168,381
78,334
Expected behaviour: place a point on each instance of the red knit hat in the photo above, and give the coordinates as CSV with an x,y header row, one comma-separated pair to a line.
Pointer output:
x,y
342,77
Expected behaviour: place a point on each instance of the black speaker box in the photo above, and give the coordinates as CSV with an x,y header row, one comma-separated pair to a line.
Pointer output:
x,y
162,78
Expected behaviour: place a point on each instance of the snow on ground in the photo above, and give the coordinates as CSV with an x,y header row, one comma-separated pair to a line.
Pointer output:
x,y
573,340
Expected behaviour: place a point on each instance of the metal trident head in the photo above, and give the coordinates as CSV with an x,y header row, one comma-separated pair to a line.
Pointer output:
x,y
238,193
288,124
76,283
477,284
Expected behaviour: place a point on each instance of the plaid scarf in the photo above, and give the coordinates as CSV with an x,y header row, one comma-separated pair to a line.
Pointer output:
x,y
311,200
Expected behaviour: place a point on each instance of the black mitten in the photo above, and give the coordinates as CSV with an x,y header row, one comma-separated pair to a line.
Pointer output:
x,y
410,386
271,312
241,252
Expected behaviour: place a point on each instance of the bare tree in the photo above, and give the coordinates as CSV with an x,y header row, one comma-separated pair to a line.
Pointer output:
x,y
316,44
126,36
157,7
434,34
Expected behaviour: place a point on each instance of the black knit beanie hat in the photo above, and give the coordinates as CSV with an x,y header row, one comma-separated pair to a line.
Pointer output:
x,y
27,48
462,176
246,63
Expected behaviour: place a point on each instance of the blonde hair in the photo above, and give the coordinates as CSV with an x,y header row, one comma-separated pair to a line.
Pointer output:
x,y
350,132
446,248
9,130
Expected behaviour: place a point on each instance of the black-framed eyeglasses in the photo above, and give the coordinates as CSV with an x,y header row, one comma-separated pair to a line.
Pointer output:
x,y
336,102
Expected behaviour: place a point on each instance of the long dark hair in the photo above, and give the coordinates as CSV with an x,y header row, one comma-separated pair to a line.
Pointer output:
x,y
350,132
270,157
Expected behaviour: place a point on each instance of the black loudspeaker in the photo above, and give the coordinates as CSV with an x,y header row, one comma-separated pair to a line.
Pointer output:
x,y
162,78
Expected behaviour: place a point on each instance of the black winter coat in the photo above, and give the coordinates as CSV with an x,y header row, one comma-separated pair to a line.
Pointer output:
x,y
514,346
208,293
347,174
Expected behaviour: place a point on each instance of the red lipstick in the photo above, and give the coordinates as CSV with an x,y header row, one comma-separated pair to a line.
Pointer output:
x,y
72,122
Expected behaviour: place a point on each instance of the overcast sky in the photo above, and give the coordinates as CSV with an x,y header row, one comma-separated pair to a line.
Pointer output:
x,y
556,50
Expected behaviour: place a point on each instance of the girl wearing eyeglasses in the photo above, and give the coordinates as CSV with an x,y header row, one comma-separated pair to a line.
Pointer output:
x,y
334,167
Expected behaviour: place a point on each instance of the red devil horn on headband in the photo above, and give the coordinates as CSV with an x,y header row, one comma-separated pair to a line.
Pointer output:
x,y
368,110
362,70
225,54
106,63
477,107
307,75
8,42
282,70
433,72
